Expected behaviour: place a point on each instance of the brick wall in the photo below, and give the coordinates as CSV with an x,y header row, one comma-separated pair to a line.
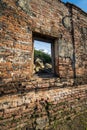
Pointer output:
x,y
18,22
40,102
45,109
15,43
16,25
80,39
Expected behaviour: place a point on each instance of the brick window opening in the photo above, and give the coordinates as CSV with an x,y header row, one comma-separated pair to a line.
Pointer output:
x,y
43,63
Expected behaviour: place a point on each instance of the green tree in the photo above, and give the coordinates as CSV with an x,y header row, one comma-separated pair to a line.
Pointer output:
x,y
46,58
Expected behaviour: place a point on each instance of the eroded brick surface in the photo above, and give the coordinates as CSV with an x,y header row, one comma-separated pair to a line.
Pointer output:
x,y
67,25
32,102
42,109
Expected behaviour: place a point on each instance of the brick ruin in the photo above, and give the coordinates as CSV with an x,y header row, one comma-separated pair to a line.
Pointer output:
x,y
30,102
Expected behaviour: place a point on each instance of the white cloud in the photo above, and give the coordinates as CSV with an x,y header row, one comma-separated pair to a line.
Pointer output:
x,y
46,47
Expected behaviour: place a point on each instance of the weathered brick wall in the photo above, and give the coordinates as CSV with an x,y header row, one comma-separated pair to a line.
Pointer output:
x,y
15,42
17,22
20,19
34,84
80,39
34,101
45,109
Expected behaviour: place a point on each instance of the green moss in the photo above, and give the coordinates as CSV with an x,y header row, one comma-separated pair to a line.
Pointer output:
x,y
1,118
55,125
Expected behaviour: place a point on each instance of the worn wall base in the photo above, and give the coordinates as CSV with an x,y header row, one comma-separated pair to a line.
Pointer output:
x,y
43,110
